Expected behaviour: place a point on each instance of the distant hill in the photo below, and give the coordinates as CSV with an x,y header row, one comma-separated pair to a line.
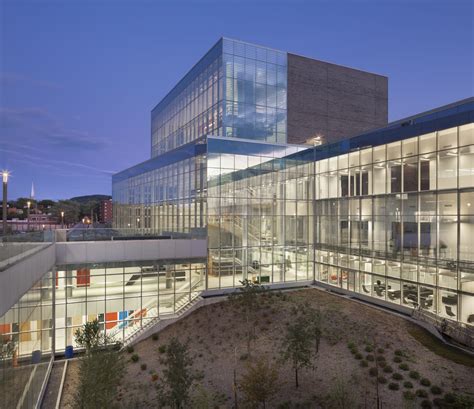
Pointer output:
x,y
89,198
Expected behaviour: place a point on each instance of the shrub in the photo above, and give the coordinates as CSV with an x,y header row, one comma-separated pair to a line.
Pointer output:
x,y
408,384
381,379
364,364
436,390
397,376
143,367
380,350
381,358
408,395
162,349
358,356
403,367
421,393
426,404
351,345
388,369
398,352
154,337
373,371
397,359
425,382
414,375
154,377
243,357
450,397
135,358
354,351
369,348
370,358
393,386
130,349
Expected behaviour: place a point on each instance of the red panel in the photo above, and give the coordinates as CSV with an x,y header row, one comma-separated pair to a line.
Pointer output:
x,y
5,328
83,277
110,316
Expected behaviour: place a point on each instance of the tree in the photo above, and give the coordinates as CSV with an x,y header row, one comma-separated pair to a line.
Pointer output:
x,y
247,299
100,369
71,211
178,376
296,347
259,383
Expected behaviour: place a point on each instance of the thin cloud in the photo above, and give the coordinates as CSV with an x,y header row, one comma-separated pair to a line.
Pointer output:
x,y
58,162
15,79
36,124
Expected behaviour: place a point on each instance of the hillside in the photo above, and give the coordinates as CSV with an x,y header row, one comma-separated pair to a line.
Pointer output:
x,y
89,198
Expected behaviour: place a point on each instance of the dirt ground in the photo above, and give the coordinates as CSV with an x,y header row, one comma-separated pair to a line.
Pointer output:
x,y
216,338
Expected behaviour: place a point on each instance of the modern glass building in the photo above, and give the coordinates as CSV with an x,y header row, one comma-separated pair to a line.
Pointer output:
x,y
384,214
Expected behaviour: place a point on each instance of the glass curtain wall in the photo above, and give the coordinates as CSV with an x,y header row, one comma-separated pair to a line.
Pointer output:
x,y
122,297
255,92
259,213
169,199
395,221
193,108
26,332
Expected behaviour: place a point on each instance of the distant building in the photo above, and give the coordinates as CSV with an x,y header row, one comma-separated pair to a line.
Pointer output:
x,y
105,215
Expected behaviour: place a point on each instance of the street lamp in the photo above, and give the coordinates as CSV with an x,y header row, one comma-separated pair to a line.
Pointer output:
x,y
5,174
62,219
28,205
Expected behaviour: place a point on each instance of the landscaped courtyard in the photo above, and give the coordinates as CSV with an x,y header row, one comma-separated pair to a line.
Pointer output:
x,y
364,354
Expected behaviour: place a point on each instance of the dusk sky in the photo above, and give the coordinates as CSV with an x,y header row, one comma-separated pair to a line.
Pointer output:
x,y
78,79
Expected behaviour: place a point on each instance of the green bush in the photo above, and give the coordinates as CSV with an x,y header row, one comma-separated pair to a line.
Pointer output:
x,y
408,384
354,351
397,359
398,352
358,356
425,381
130,349
397,376
143,367
373,372
408,395
135,358
351,345
382,380
369,348
154,337
364,364
414,375
426,404
388,369
370,358
403,367
380,350
421,393
243,357
393,386
162,349
436,390
450,397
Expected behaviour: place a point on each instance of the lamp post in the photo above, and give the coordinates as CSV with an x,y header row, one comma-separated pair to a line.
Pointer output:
x,y
62,219
28,205
5,175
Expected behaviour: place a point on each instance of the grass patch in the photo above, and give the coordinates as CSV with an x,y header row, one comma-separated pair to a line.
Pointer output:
x,y
434,345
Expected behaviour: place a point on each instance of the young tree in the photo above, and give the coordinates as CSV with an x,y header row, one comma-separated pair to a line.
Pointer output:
x,y
100,370
341,395
247,298
178,376
259,383
296,347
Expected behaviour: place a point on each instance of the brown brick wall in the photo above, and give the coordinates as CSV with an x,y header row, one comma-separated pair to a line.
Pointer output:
x,y
333,101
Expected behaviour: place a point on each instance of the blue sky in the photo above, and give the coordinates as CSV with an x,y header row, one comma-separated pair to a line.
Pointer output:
x,y
79,78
